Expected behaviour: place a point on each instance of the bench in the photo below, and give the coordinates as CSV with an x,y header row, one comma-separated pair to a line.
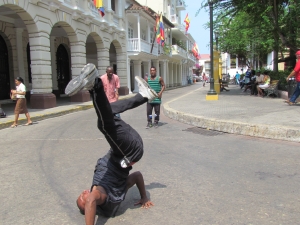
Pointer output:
x,y
272,89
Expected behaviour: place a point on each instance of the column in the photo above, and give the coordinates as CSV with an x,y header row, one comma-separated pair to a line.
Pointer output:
x,y
103,59
137,72
20,53
180,75
164,71
139,31
171,74
53,64
147,65
78,59
156,65
122,72
175,75
42,97
128,75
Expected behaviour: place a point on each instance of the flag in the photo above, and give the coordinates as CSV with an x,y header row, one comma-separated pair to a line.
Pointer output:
x,y
160,31
157,30
99,6
195,50
187,22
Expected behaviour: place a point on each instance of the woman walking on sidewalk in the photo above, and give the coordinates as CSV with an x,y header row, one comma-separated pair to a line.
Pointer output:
x,y
21,106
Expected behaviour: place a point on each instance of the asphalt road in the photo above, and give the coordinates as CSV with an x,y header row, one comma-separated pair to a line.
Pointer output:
x,y
199,177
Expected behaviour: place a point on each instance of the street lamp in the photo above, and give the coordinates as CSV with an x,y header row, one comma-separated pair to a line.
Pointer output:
x,y
217,38
212,90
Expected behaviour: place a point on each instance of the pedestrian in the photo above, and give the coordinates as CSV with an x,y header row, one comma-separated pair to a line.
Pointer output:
x,y
295,73
157,84
111,83
204,79
237,77
111,178
21,105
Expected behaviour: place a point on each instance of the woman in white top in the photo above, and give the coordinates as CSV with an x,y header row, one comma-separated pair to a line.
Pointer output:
x,y
21,106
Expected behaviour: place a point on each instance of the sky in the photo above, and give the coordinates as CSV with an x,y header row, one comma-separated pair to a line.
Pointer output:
x,y
197,30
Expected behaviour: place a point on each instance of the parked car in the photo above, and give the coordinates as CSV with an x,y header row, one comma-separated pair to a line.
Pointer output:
x,y
198,78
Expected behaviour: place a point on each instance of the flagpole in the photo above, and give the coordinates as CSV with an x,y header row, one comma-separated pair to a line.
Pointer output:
x,y
153,43
154,36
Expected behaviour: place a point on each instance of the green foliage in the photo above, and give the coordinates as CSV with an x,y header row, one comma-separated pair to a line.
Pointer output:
x,y
253,28
167,49
180,44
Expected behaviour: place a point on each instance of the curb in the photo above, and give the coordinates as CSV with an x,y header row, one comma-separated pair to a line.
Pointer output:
x,y
254,130
21,121
56,113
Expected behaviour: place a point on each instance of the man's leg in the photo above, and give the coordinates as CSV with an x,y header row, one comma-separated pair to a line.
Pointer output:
x,y
157,113
149,115
126,104
296,93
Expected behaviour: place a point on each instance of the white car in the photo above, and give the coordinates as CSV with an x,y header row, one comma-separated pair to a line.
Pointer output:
x,y
198,78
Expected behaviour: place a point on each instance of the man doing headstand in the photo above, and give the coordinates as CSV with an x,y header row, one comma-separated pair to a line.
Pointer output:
x,y
111,176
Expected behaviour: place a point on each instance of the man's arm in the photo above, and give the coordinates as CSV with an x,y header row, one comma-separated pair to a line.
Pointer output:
x,y
162,83
291,75
117,86
137,178
95,198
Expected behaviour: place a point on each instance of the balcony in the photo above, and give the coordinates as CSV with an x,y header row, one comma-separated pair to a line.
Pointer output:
x,y
178,52
179,29
136,46
180,5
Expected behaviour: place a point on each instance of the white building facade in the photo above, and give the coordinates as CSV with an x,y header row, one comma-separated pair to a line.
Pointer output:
x,y
177,66
48,42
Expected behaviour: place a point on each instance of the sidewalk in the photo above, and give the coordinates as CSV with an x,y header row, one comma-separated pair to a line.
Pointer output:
x,y
237,112
63,106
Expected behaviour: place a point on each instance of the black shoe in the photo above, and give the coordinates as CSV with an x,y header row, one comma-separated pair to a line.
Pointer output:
x,y
156,124
149,125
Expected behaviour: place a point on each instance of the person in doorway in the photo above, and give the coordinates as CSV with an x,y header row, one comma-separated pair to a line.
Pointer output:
x,y
111,83
157,84
21,105
295,73
111,178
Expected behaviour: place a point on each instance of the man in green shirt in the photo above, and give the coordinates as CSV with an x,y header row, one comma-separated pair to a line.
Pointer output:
x,y
158,85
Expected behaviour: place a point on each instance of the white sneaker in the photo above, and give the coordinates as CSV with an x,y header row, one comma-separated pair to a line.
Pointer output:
x,y
85,80
145,90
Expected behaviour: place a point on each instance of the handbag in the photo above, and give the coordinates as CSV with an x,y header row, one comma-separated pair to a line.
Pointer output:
x,y
13,97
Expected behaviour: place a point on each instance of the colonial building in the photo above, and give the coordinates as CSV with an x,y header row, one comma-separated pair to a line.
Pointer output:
x,y
48,42
181,60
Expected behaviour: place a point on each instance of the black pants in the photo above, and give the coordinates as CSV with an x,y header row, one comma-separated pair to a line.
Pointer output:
x,y
150,107
254,89
122,138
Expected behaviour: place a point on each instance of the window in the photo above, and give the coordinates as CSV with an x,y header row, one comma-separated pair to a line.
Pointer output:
x,y
143,35
233,63
130,32
113,5
151,34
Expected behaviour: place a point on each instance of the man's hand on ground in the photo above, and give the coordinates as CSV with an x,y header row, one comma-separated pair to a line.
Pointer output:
x,y
145,202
